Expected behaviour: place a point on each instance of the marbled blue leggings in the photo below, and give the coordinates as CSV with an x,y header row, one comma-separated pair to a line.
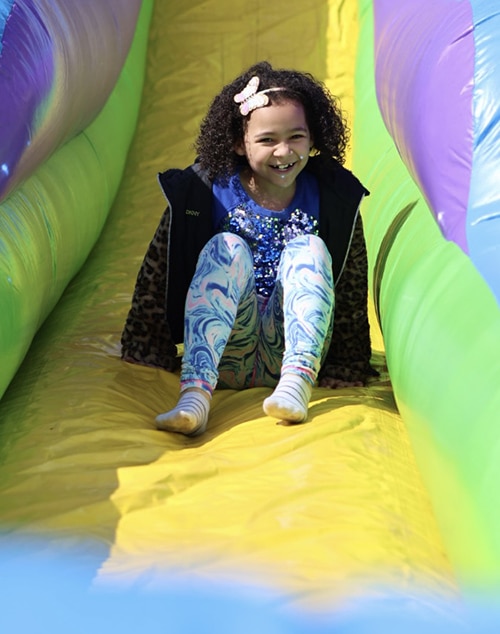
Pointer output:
x,y
229,342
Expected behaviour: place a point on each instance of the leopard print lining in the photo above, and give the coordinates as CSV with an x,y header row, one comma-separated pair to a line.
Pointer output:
x,y
146,338
349,354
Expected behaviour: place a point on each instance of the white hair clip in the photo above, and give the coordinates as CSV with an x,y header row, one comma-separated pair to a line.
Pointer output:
x,y
249,99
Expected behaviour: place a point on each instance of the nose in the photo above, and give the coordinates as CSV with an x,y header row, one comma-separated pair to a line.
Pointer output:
x,y
283,149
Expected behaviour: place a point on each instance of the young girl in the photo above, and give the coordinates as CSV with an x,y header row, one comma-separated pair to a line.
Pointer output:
x,y
259,263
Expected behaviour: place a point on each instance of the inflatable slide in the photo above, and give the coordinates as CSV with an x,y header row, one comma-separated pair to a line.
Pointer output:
x,y
388,494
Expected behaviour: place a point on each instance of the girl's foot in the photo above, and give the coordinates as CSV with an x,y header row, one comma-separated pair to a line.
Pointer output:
x,y
290,399
189,416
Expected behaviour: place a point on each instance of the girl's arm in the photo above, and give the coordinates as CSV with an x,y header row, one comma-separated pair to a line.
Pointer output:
x,y
348,359
146,338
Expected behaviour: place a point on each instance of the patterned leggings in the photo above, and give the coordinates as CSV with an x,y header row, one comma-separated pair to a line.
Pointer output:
x,y
232,342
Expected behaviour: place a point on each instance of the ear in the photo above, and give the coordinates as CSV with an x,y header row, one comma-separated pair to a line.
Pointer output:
x,y
239,148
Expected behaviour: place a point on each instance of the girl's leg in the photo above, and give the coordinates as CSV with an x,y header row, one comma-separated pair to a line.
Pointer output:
x,y
303,306
222,287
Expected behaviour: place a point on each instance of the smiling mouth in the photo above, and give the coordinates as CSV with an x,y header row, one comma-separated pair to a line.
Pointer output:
x,y
283,168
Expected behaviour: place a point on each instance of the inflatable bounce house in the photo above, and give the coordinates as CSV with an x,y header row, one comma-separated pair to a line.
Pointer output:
x,y
384,506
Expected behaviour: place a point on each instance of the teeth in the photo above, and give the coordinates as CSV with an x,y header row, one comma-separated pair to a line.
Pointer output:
x,y
284,167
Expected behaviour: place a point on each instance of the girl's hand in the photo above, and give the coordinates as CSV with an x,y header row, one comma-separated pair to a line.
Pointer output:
x,y
334,384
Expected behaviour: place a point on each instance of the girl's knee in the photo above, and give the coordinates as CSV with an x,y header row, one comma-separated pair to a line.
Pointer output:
x,y
226,246
227,239
312,245
231,242
308,240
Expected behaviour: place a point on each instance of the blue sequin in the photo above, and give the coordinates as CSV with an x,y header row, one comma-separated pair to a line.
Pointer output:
x,y
267,235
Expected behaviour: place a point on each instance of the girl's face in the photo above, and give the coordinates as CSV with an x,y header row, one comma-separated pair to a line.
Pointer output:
x,y
276,144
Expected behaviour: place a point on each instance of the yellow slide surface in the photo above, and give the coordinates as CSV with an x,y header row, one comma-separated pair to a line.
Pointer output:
x,y
320,513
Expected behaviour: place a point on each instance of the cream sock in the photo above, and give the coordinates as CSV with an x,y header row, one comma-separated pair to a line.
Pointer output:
x,y
290,399
189,416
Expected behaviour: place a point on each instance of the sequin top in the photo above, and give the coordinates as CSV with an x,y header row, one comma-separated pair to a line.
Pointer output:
x,y
265,231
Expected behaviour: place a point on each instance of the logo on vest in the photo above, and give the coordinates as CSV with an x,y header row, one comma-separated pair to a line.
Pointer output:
x,y
192,212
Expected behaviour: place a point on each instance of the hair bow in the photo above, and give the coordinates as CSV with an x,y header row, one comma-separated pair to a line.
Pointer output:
x,y
249,99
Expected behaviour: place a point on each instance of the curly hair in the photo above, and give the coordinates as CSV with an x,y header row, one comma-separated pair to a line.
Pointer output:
x,y
223,127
